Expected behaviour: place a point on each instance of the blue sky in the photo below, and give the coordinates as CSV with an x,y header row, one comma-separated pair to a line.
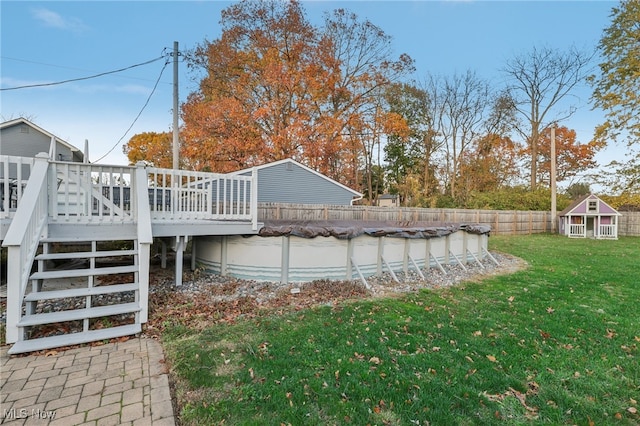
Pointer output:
x,y
51,41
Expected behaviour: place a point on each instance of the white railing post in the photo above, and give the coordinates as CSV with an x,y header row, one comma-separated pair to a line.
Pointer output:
x,y
254,199
140,204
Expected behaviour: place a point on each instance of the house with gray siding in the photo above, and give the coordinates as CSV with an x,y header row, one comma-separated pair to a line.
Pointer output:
x,y
22,138
287,181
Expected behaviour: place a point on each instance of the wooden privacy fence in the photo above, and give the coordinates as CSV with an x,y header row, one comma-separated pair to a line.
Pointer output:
x,y
506,222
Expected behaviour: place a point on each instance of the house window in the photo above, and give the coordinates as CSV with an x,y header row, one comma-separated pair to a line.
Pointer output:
x,y
593,206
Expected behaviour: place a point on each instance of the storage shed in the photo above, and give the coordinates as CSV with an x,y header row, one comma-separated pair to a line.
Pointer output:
x,y
287,181
589,217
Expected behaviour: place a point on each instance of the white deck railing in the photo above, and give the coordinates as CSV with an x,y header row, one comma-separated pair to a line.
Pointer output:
x,y
577,230
14,174
183,194
88,193
81,192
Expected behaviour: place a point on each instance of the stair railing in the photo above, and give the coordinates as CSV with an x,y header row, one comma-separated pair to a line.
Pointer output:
x,y
22,239
145,238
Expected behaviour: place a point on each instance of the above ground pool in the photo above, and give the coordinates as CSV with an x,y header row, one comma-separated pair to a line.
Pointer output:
x,y
302,251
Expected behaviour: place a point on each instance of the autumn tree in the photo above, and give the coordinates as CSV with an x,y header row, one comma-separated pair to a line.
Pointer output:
x,y
156,149
617,89
538,81
276,87
254,104
572,157
490,164
409,167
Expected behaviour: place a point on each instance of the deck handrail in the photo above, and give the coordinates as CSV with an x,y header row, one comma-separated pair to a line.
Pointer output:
x,y
90,193
14,174
186,194
82,192
22,240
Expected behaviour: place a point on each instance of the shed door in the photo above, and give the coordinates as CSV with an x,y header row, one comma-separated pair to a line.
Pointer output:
x,y
590,226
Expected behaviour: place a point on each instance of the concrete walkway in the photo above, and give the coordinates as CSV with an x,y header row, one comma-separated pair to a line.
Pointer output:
x,y
124,383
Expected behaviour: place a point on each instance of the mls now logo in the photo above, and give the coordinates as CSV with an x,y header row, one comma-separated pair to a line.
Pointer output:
x,y
23,413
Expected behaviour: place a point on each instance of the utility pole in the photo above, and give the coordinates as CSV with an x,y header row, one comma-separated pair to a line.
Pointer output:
x,y
176,134
553,178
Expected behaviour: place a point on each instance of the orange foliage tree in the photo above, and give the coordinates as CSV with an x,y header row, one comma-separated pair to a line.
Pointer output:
x,y
572,157
278,87
155,149
490,164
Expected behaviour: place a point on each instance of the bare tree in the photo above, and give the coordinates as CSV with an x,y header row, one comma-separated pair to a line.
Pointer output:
x,y
539,80
460,108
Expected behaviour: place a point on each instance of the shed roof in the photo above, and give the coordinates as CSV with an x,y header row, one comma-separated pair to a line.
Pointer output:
x,y
581,200
22,120
292,161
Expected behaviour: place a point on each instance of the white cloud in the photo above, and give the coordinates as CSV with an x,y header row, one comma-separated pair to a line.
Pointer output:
x,y
54,20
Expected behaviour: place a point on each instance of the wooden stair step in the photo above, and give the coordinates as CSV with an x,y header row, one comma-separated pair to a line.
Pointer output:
x,y
78,314
85,254
73,273
80,292
41,343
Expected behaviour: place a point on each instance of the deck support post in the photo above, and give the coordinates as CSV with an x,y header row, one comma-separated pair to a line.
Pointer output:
x,y
180,244
163,254
193,254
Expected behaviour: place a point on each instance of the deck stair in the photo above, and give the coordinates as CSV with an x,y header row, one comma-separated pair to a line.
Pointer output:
x,y
68,281
79,293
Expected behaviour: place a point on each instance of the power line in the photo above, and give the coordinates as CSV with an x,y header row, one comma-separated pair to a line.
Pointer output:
x,y
84,78
140,113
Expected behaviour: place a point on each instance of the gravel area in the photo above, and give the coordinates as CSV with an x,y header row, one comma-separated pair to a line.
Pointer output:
x,y
227,288
226,297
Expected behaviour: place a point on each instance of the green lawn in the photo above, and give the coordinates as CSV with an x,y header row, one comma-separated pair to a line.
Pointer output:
x,y
556,343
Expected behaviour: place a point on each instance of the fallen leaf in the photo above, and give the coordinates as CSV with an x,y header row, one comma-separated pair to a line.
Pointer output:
x,y
374,360
610,334
477,333
491,358
632,410
511,298
435,348
51,353
618,416
550,310
633,401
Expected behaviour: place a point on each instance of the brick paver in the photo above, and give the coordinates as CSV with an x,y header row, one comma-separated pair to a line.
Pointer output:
x,y
123,383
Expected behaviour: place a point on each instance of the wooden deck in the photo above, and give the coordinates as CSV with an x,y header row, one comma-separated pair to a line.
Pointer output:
x,y
46,204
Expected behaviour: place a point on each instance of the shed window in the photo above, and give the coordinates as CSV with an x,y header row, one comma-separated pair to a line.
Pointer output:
x,y
593,206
